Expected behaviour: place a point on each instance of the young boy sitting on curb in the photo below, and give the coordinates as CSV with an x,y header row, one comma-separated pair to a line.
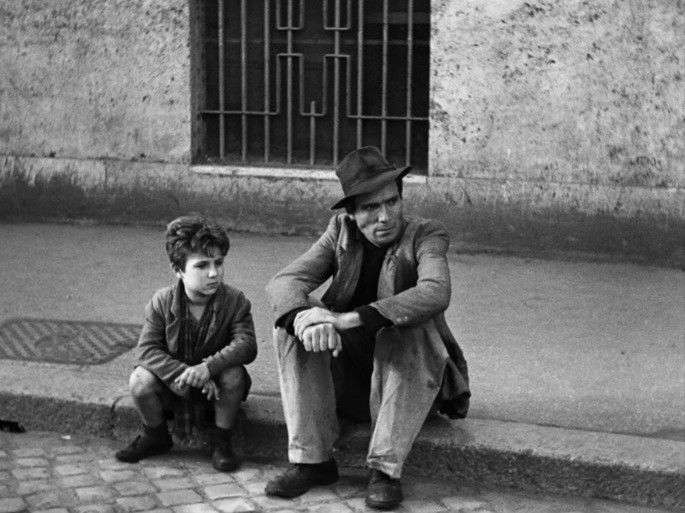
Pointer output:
x,y
197,337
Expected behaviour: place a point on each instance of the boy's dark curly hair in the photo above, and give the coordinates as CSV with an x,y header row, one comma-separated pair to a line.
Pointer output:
x,y
194,234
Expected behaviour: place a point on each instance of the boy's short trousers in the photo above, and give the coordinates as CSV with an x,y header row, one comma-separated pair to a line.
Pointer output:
x,y
170,400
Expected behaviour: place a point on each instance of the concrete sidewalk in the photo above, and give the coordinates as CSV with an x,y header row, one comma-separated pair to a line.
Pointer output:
x,y
577,368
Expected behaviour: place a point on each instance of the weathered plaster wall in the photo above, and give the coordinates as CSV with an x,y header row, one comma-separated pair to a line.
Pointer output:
x,y
85,79
561,123
119,191
555,125
559,91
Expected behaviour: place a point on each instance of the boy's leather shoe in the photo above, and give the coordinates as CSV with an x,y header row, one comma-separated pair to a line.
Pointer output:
x,y
383,491
143,447
300,477
223,457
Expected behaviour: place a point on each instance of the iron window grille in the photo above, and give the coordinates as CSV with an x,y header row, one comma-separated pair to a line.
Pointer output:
x,y
300,83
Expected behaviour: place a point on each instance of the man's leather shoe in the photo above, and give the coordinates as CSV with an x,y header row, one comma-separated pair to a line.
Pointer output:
x,y
383,491
300,477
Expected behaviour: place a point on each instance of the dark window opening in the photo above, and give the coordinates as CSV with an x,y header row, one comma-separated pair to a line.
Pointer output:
x,y
303,82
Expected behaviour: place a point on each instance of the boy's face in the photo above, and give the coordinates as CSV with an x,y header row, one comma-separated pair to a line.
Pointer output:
x,y
202,274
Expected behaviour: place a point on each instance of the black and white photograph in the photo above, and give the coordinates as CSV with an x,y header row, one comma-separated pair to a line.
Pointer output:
x,y
342,256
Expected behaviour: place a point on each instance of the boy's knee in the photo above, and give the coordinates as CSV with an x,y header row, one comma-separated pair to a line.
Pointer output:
x,y
231,379
142,382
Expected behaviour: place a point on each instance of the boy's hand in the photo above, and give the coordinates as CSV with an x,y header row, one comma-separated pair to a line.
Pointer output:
x,y
195,376
211,390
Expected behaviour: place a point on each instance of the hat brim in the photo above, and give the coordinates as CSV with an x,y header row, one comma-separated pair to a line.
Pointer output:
x,y
377,182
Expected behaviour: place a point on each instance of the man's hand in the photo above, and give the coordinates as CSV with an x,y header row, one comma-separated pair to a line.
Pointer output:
x,y
321,337
318,315
195,376
310,317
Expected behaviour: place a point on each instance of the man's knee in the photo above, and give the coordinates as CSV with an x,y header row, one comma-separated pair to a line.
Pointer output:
x,y
143,382
231,379
286,345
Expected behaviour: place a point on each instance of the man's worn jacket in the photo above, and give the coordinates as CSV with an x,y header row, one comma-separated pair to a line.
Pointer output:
x,y
230,339
413,292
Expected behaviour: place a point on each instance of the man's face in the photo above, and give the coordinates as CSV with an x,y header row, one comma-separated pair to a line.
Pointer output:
x,y
202,274
379,214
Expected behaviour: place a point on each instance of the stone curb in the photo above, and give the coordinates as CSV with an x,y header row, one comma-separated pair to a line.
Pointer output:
x,y
476,452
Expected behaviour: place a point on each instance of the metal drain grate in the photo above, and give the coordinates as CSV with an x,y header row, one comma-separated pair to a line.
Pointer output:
x,y
75,342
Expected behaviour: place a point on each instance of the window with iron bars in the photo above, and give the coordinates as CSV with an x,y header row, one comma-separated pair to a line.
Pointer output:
x,y
300,83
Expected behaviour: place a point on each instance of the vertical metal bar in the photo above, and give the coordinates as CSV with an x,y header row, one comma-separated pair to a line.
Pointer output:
x,y
336,86
410,62
243,77
384,80
267,79
289,87
222,128
312,134
198,80
360,70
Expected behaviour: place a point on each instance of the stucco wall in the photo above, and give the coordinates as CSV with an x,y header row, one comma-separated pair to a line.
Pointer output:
x,y
555,125
87,79
583,101
561,123
560,91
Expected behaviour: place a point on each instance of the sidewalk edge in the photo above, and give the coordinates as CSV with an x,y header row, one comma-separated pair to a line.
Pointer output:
x,y
613,469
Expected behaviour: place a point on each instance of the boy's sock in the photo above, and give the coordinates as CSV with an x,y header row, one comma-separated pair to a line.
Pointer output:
x,y
223,433
160,432
223,457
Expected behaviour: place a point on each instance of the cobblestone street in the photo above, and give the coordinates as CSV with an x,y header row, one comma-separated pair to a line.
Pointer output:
x,y
48,472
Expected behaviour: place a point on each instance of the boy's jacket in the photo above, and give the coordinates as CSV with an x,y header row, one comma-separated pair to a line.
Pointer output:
x,y
230,339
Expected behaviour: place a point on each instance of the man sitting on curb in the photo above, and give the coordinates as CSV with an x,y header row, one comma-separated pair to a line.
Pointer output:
x,y
379,349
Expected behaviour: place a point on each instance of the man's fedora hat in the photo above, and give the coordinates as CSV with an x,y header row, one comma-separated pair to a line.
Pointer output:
x,y
365,170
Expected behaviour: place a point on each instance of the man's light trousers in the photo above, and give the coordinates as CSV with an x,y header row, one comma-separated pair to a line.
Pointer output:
x,y
402,392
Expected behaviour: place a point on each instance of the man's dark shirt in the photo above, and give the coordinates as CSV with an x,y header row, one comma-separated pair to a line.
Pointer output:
x,y
365,293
